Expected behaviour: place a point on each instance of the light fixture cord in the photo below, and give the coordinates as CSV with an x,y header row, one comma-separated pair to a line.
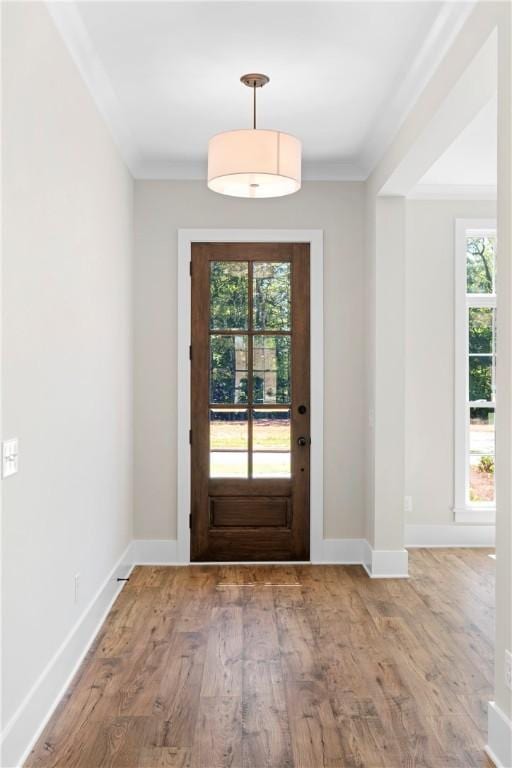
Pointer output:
x,y
254,106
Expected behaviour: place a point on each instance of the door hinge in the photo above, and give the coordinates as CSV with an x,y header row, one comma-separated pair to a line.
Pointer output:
x,y
190,268
190,436
190,520
190,352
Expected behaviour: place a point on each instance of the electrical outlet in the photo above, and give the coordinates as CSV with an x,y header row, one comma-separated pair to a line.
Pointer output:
x,y
508,669
407,503
77,587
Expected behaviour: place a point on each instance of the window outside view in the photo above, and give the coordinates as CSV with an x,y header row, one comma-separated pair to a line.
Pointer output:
x,y
481,366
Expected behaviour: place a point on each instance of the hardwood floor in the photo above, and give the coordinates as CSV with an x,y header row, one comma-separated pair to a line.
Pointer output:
x,y
286,666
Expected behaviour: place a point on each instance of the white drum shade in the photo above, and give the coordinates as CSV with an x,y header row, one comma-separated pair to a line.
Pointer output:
x,y
254,163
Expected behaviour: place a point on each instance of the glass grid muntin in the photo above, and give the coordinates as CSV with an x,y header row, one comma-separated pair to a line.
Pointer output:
x,y
249,406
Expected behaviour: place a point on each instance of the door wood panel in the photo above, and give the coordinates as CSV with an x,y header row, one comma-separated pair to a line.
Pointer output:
x,y
250,401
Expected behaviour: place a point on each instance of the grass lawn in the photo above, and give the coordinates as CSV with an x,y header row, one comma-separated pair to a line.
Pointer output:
x,y
229,440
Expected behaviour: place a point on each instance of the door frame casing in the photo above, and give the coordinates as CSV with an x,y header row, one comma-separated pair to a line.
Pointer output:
x,y
315,239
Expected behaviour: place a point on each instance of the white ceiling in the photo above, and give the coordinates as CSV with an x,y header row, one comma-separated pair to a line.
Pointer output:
x,y
470,161
342,74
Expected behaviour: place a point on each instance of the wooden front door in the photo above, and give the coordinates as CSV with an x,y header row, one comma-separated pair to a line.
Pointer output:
x,y
250,401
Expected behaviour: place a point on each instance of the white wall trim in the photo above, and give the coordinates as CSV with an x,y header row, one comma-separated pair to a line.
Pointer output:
x,y
402,98
385,564
499,744
454,535
28,721
164,168
453,192
331,552
341,552
474,515
73,31
315,238
155,552
81,48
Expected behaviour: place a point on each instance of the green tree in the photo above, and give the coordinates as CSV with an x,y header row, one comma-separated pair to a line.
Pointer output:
x,y
480,264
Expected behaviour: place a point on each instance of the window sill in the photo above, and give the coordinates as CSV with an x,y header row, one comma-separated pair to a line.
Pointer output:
x,y
475,515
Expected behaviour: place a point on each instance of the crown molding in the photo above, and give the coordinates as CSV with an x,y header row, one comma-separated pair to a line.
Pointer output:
x,y
162,168
453,192
390,116
396,105
69,23
332,170
71,27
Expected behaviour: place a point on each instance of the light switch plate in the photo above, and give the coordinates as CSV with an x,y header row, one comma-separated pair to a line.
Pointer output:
x,y
9,457
508,670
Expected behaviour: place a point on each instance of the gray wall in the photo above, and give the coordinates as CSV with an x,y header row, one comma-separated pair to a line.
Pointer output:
x,y
67,347
161,208
430,354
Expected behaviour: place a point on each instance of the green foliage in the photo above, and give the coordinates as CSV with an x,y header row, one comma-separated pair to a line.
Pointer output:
x,y
271,296
480,378
480,264
480,323
486,464
228,354
229,308
271,369
229,304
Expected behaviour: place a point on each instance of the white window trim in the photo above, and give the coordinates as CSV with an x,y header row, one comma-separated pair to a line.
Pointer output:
x,y
463,511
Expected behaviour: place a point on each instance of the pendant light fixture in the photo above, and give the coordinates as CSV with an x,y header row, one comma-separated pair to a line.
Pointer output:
x,y
254,162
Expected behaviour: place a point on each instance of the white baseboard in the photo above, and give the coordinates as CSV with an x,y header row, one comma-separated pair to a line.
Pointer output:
x,y
384,563
499,745
155,552
27,723
165,552
341,552
454,535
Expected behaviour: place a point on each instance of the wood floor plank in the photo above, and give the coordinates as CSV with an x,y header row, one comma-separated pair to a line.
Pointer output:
x,y
164,757
315,735
266,738
218,737
223,665
177,699
286,667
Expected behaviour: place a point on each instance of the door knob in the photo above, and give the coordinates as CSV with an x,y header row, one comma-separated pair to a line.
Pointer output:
x,y
302,441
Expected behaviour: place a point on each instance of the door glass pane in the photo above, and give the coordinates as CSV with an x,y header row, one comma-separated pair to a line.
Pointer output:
x,y
228,429
480,264
480,378
271,369
271,465
480,322
228,464
481,431
271,438
229,301
271,430
271,296
228,442
228,369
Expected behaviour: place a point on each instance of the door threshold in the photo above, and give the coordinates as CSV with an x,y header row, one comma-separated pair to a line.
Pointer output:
x,y
251,562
